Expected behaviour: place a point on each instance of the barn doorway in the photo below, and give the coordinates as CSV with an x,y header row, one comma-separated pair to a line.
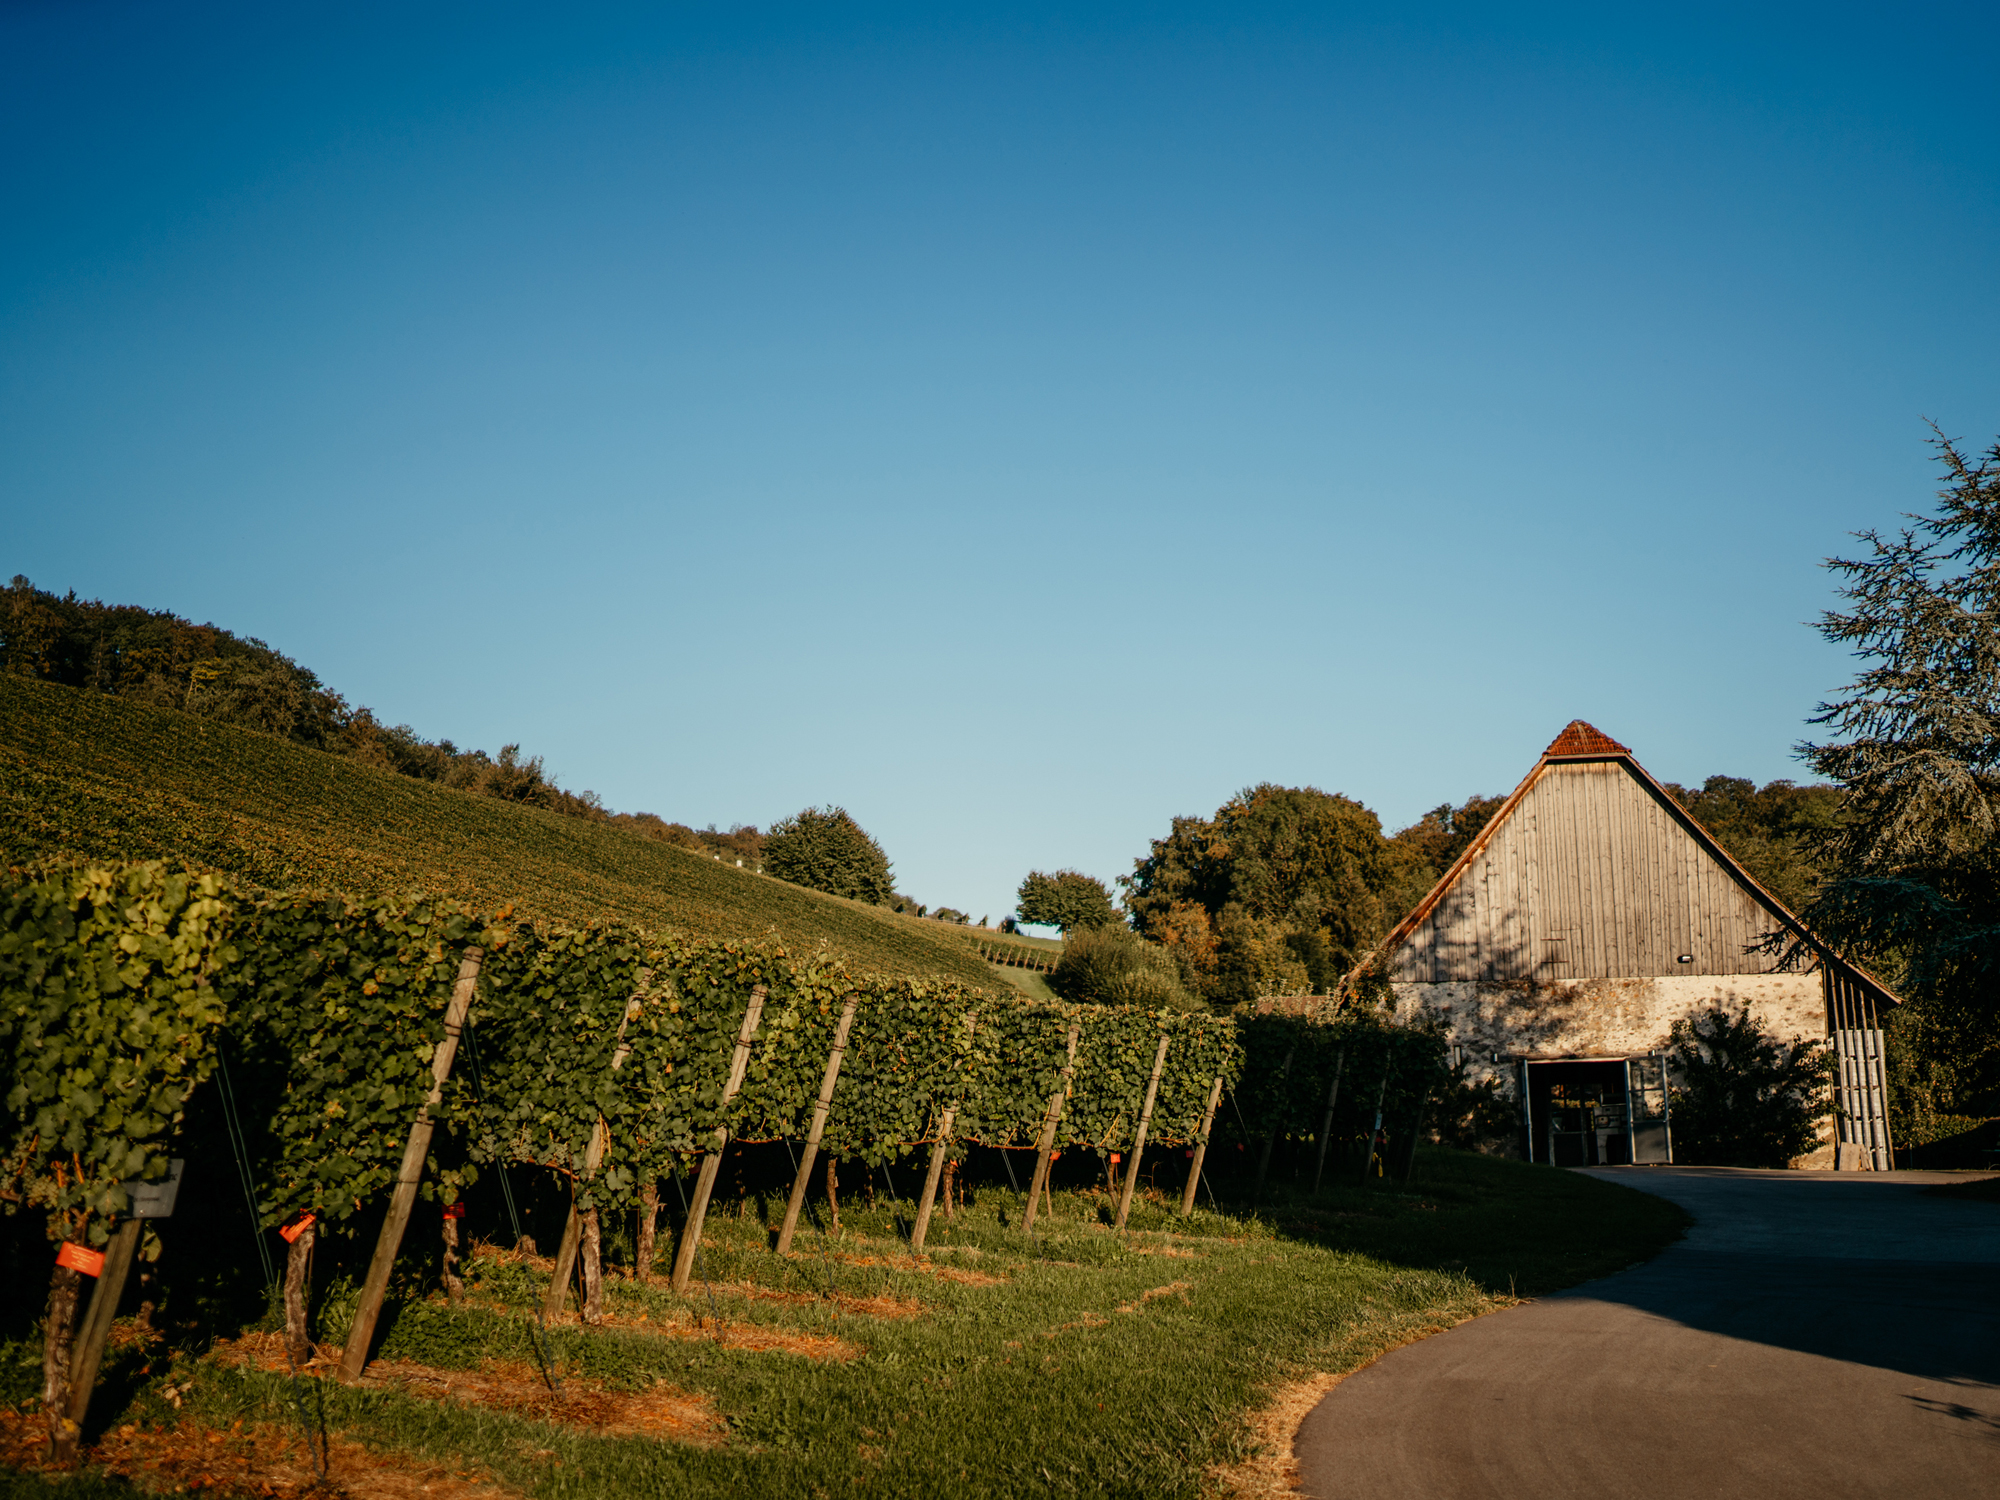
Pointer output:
x,y
1596,1111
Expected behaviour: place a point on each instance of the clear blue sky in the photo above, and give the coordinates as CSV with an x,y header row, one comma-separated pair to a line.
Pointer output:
x,y
1019,427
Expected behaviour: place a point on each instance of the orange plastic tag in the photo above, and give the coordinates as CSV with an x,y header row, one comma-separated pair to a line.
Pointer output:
x,y
292,1231
454,1210
78,1258
1117,1157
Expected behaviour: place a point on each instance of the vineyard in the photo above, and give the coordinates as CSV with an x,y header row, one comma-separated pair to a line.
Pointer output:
x,y
107,779
367,1057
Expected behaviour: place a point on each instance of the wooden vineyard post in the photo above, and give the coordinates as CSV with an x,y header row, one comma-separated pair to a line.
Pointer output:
x,y
362,1333
1416,1130
821,1109
649,1219
1139,1137
711,1164
593,1158
1326,1126
1201,1146
96,1328
1271,1140
940,1149
1375,1131
1046,1142
298,1286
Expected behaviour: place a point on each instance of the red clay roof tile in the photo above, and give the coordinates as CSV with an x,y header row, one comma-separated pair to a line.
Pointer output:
x,y
1581,739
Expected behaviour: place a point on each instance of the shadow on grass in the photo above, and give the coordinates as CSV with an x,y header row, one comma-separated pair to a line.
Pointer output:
x,y
1511,1227
1076,1361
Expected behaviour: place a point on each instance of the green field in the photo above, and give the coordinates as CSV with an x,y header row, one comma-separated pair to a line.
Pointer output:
x,y
110,779
1079,1362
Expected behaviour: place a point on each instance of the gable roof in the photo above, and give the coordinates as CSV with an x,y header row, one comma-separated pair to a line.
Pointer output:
x,y
1582,742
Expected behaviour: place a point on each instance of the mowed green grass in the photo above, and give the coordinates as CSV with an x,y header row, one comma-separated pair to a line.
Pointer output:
x,y
103,778
1079,1362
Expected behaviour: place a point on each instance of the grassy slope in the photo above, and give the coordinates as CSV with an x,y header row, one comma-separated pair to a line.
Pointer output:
x,y
1058,1376
109,779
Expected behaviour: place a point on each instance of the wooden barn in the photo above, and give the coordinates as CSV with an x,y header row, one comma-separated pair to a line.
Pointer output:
x,y
1587,917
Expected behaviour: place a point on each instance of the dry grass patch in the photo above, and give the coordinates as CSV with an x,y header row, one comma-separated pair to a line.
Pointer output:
x,y
517,1388
659,1411
258,1459
731,1334
880,1306
1171,1289
921,1265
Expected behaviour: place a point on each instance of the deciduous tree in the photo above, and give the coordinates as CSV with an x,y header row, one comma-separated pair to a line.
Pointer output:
x,y
1068,899
824,848
1283,890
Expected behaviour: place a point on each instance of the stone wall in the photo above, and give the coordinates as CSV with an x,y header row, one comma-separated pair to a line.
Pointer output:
x,y
1602,1017
1605,1017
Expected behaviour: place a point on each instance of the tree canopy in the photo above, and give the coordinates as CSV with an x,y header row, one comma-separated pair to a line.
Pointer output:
x,y
1282,891
825,849
1068,899
1773,831
1912,868
1445,832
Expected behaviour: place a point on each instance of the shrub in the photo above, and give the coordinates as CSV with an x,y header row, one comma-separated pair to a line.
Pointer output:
x,y
1115,966
1474,1116
1742,1098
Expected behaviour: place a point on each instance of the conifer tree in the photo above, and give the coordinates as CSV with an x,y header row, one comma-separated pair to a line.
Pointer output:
x,y
1913,868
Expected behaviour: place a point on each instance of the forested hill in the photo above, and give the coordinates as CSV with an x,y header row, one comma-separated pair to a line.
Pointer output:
x,y
83,773
154,656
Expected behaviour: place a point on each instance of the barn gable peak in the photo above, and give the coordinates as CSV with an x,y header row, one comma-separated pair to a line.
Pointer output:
x,y
1592,869
1581,739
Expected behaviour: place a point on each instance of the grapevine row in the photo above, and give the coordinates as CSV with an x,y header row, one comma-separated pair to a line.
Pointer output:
x,y
597,1052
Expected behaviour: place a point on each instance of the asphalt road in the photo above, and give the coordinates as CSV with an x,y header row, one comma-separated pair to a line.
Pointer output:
x,y
1814,1335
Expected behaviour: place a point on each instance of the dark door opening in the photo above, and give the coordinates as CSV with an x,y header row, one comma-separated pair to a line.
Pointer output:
x,y
1596,1112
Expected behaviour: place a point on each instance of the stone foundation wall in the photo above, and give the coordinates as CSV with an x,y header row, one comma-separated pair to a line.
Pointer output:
x,y
1606,1017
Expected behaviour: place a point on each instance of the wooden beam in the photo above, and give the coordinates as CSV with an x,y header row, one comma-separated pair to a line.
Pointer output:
x,y
1326,1126
1139,1137
593,1157
940,1149
1271,1140
362,1332
90,1338
711,1164
1201,1146
818,1127
1045,1143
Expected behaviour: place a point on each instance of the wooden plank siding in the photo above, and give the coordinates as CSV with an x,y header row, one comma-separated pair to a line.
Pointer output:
x,y
1590,875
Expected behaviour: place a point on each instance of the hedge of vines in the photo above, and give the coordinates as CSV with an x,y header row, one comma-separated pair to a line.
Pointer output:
x,y
122,989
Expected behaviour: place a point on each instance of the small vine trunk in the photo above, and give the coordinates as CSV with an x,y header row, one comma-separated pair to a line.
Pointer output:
x,y
950,1184
649,1221
453,1287
833,1192
593,1269
298,1287
64,1291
